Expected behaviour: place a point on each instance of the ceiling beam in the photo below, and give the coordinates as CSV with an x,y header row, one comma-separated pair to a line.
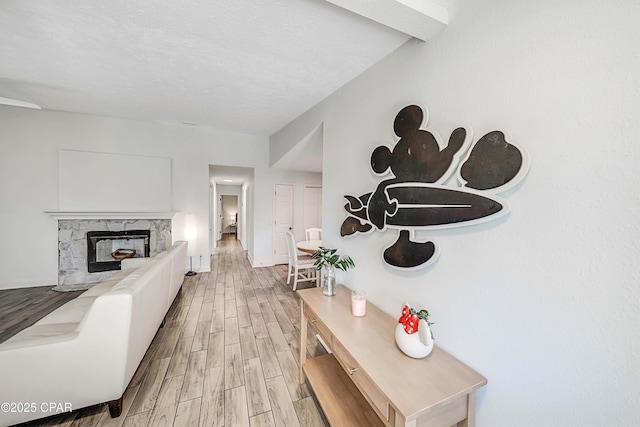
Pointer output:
x,y
18,103
421,19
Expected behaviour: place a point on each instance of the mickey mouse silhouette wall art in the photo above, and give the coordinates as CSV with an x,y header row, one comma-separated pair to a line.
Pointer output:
x,y
412,194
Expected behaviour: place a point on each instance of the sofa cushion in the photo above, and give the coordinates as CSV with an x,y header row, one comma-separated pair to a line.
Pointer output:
x,y
41,335
119,275
71,312
132,278
132,263
104,286
99,289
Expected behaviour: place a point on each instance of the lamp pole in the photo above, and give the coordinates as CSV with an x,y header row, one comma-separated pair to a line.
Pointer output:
x,y
190,235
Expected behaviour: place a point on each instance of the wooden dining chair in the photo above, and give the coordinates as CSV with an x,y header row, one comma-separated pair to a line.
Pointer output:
x,y
314,233
301,270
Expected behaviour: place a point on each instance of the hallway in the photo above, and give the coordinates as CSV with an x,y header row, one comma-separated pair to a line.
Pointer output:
x,y
226,356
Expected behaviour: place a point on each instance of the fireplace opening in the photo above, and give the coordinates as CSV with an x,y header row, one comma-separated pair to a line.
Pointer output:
x,y
106,249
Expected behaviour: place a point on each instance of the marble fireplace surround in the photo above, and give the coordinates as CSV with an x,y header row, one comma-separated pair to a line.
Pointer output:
x,y
72,239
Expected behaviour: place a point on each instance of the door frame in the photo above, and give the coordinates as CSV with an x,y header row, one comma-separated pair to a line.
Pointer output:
x,y
278,258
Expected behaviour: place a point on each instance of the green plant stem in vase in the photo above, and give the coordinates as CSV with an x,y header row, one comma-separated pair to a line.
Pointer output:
x,y
328,260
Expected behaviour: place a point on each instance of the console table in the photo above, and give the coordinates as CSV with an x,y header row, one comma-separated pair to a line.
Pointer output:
x,y
367,380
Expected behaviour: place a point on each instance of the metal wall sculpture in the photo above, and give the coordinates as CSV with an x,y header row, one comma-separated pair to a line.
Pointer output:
x,y
412,195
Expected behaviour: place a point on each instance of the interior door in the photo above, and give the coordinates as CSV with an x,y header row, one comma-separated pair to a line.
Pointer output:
x,y
312,207
219,222
212,219
283,221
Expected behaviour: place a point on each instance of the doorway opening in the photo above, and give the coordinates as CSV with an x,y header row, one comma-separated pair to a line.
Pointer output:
x,y
229,215
232,217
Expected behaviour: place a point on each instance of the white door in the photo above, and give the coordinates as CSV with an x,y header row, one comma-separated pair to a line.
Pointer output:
x,y
283,221
312,207
219,221
212,240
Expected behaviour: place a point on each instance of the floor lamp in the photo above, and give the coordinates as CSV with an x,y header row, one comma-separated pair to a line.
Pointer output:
x,y
190,235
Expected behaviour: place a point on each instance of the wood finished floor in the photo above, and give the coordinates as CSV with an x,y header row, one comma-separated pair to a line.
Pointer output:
x,y
21,308
226,356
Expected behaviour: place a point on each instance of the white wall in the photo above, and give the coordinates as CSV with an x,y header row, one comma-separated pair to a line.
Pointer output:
x,y
95,182
264,236
30,141
545,303
299,180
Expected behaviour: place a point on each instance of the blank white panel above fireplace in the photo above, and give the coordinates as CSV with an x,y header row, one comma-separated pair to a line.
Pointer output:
x,y
113,182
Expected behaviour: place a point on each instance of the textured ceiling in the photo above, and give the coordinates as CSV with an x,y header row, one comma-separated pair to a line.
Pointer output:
x,y
241,66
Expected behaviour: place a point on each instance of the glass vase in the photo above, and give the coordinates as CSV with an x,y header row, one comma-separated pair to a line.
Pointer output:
x,y
328,280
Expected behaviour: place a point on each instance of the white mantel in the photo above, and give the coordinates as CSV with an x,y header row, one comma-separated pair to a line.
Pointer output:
x,y
58,214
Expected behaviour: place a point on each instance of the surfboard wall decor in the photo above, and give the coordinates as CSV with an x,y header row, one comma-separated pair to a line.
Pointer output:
x,y
412,195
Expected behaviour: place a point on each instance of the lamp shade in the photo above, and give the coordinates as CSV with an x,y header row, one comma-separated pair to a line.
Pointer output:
x,y
191,233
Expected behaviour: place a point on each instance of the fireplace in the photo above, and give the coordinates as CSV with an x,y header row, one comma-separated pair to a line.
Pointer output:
x,y
73,245
106,249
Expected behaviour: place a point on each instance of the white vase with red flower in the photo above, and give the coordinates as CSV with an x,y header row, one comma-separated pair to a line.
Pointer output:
x,y
413,332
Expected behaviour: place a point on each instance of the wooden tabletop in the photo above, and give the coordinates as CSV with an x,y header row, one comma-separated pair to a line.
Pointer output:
x,y
413,386
309,246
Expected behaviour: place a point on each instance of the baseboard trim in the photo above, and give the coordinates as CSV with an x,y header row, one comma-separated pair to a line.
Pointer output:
x,y
27,284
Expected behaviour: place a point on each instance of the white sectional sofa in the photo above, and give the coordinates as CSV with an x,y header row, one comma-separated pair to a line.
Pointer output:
x,y
86,352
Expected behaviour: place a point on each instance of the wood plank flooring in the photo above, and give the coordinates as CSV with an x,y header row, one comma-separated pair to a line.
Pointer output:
x,y
226,356
21,308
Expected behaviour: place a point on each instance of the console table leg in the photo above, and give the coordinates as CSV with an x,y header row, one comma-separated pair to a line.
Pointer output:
x,y
399,421
470,421
303,341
